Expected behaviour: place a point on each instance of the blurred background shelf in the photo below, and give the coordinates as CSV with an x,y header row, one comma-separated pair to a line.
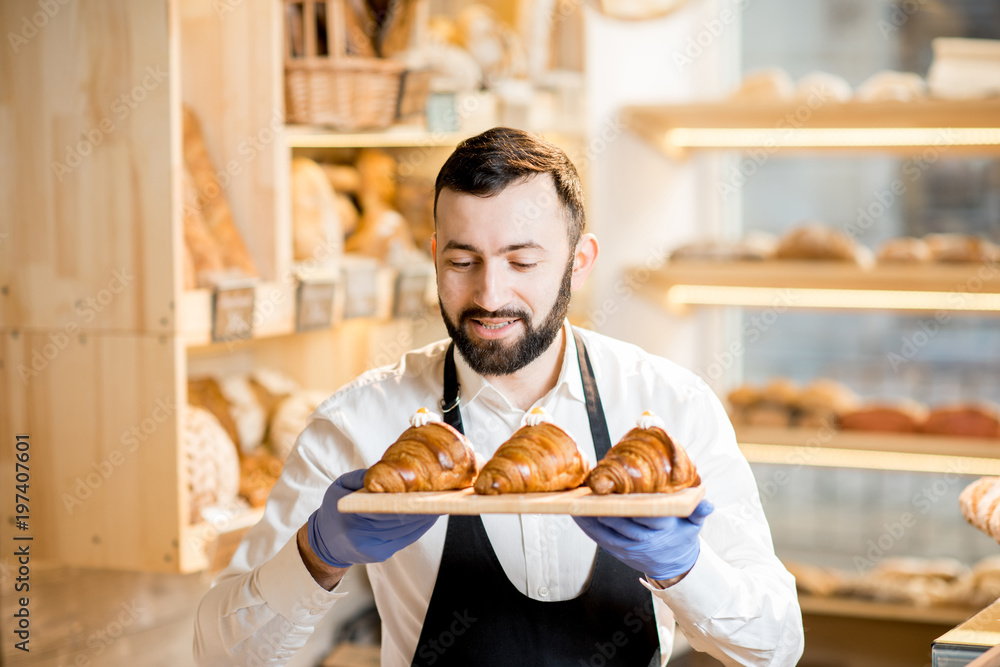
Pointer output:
x,y
307,136
888,611
789,284
961,126
871,451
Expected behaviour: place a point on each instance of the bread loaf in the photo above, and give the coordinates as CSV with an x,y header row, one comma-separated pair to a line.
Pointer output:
x,y
205,393
206,257
258,473
540,456
961,248
212,467
896,417
316,225
429,456
818,242
891,86
291,417
823,87
904,250
769,85
211,200
975,421
646,460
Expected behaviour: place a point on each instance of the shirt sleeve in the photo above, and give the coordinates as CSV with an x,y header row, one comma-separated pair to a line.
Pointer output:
x,y
738,602
263,607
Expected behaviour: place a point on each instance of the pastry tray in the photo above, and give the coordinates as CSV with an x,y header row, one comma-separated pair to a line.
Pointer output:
x,y
579,502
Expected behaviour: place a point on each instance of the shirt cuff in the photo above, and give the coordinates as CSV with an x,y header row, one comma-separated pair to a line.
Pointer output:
x,y
703,591
289,589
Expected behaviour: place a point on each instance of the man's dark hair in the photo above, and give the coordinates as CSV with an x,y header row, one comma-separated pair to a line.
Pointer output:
x,y
484,165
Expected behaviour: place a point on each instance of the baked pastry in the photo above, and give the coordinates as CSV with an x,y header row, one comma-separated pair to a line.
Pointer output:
x,y
343,178
771,84
210,461
896,417
919,581
290,417
904,250
980,503
815,241
429,456
959,248
248,414
741,400
891,86
646,460
258,473
211,200
970,420
206,393
756,246
823,87
815,580
822,402
776,405
316,228
540,456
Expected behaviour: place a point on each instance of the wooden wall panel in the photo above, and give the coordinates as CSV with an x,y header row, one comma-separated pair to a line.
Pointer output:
x,y
85,106
232,74
102,415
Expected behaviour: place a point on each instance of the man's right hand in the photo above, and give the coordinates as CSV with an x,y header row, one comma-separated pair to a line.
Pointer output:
x,y
343,539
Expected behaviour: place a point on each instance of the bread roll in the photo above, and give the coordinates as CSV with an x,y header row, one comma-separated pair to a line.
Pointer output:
x,y
756,247
769,85
429,456
258,473
344,178
823,87
212,467
960,248
540,456
891,86
826,396
646,460
814,580
780,391
248,414
969,420
896,417
904,250
818,242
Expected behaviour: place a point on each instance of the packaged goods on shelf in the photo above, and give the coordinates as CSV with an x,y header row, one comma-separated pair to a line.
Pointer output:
x,y
965,68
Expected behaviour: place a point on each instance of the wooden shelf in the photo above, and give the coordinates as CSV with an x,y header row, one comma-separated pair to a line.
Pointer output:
x,y
273,300
887,611
211,545
949,126
871,451
307,136
790,284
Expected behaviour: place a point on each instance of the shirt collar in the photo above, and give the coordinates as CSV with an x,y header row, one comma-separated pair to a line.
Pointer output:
x,y
570,381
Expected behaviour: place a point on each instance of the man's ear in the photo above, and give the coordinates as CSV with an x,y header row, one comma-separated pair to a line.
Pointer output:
x,y
583,260
434,247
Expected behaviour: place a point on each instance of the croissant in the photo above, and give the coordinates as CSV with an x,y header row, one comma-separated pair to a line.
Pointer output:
x,y
980,503
646,460
428,456
540,456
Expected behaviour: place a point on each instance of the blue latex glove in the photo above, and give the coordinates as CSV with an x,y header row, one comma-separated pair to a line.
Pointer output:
x,y
661,547
344,539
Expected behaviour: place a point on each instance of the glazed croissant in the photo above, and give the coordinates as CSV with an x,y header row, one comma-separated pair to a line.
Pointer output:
x,y
646,460
980,503
428,456
540,456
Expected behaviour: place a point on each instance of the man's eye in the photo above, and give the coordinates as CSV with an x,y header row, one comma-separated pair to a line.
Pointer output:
x,y
522,265
460,265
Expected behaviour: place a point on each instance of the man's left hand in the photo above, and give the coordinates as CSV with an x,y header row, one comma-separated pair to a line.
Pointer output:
x,y
661,547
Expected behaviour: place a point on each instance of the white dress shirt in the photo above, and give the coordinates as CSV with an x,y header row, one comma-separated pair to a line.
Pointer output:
x,y
737,603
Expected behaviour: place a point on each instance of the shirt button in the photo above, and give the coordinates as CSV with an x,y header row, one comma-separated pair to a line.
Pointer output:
x,y
543,592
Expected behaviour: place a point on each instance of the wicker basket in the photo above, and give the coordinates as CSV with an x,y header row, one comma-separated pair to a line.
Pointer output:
x,y
414,87
345,92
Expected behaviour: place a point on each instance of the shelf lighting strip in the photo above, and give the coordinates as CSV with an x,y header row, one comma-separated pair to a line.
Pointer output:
x,y
804,297
835,457
831,137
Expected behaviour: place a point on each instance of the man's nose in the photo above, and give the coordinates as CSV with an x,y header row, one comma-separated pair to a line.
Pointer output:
x,y
493,287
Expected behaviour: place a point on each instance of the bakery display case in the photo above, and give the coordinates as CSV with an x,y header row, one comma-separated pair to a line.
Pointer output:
x,y
835,495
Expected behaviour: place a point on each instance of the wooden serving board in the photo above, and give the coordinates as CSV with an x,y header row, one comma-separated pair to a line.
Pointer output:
x,y
580,502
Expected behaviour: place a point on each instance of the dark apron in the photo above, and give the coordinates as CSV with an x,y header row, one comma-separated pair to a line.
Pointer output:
x,y
477,618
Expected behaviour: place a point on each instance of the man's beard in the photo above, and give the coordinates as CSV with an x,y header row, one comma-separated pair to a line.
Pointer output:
x,y
495,357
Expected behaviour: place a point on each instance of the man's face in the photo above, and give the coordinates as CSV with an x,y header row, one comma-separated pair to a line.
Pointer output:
x,y
503,270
